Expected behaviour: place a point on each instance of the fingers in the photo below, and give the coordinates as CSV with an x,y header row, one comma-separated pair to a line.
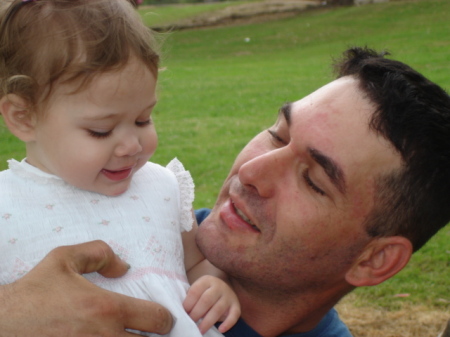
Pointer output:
x,y
145,315
90,257
199,299
97,256
231,319
214,314
222,310
213,300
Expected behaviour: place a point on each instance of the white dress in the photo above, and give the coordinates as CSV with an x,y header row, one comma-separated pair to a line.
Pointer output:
x,y
39,212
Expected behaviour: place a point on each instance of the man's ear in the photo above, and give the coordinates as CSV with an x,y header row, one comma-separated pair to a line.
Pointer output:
x,y
16,114
381,259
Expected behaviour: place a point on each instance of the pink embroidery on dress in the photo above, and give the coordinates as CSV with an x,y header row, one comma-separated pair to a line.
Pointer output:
x,y
95,201
50,207
179,256
6,216
104,222
134,197
138,274
20,269
156,249
146,218
58,229
12,241
120,250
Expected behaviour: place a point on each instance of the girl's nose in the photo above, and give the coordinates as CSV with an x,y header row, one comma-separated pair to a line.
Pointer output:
x,y
129,146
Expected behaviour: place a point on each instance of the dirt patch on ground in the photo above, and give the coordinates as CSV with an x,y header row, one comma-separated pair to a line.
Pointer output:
x,y
409,321
245,14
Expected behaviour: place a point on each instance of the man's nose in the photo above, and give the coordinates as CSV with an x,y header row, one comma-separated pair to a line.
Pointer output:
x,y
266,171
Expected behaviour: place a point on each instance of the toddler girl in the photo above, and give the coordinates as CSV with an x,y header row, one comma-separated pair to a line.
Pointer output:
x,y
78,82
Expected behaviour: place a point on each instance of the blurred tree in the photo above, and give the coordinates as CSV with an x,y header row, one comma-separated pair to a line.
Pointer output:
x,y
166,2
136,3
340,2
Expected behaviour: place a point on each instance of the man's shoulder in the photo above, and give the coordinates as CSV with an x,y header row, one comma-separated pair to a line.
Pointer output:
x,y
330,326
201,214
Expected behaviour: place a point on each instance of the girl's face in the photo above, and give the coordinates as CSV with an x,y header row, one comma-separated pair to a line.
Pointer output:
x,y
99,137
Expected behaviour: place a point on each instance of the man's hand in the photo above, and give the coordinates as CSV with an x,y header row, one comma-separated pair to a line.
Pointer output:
x,y
54,299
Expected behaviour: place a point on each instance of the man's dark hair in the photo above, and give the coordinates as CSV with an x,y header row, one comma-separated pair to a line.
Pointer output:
x,y
413,113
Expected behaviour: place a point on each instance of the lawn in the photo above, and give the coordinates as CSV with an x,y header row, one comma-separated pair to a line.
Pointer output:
x,y
220,86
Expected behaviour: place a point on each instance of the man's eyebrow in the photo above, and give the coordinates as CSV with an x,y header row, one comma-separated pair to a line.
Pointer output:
x,y
331,168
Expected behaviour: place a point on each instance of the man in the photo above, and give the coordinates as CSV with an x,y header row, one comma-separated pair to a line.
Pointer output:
x,y
338,193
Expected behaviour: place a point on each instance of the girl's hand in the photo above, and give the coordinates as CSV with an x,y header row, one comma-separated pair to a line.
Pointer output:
x,y
213,300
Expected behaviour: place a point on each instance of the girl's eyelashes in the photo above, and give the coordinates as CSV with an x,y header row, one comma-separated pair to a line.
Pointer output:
x,y
311,184
104,134
144,123
97,134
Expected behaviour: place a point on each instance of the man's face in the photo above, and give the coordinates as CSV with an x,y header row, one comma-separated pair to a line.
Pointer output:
x,y
291,212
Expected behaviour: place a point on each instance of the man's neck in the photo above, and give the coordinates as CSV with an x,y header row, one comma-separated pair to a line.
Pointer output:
x,y
271,316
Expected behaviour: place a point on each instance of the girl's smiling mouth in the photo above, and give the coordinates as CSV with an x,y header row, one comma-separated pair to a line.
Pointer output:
x,y
118,174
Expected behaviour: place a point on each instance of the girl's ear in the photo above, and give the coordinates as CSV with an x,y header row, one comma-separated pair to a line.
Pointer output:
x,y
16,114
380,260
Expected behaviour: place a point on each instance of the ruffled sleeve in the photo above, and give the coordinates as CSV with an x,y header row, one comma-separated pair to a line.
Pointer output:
x,y
186,184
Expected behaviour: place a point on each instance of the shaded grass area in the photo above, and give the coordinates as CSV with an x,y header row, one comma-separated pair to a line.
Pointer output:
x,y
407,321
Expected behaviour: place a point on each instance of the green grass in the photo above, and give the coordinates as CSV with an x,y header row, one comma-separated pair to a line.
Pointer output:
x,y
218,91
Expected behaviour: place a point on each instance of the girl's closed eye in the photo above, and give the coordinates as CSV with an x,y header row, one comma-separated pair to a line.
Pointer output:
x,y
144,123
99,134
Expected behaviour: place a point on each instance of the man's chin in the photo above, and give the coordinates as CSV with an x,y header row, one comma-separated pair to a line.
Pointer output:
x,y
207,235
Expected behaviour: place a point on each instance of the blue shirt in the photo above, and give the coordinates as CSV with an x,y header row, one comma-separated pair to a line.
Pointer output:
x,y
330,326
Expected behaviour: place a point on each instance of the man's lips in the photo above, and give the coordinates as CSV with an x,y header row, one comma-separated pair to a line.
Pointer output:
x,y
235,219
117,175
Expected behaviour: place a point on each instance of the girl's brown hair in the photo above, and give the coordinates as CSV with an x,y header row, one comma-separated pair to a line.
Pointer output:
x,y
44,41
